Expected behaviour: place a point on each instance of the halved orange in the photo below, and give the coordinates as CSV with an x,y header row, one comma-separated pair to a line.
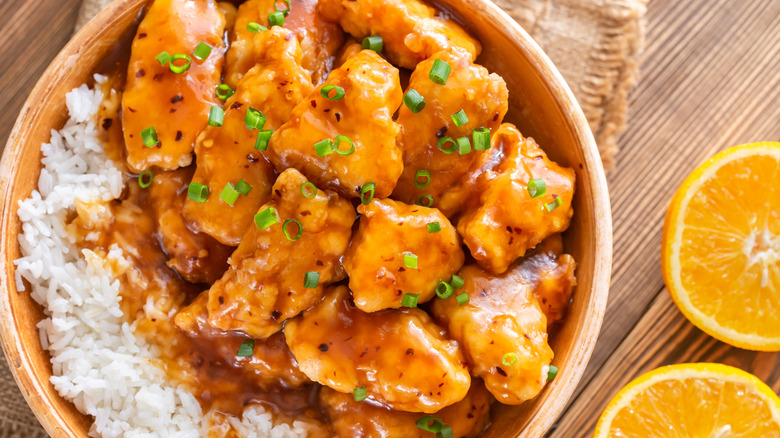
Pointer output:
x,y
721,246
692,401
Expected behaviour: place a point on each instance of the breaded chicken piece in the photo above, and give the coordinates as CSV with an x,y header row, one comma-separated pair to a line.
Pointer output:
x,y
367,419
350,48
176,105
271,364
265,283
411,30
227,154
372,93
470,88
388,230
320,39
400,356
502,318
552,274
195,256
499,219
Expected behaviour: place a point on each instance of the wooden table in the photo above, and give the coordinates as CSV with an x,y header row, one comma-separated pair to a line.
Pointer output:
x,y
710,78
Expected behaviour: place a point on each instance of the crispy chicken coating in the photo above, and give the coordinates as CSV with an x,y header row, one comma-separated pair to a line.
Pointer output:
x,y
320,39
375,265
499,219
552,274
197,257
350,48
176,105
502,317
265,282
470,88
372,93
226,154
411,31
367,419
402,358
271,364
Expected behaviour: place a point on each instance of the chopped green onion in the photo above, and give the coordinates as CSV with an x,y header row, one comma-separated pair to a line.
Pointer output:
x,y
553,205
359,394
373,42
344,139
439,72
460,118
425,201
537,187
509,359
287,233
149,137
462,298
255,27
247,348
410,300
426,179
481,139
198,192
224,91
311,279
229,194
266,218
216,116
367,193
434,227
142,178
243,187
552,372
445,432
178,69
202,51
457,281
414,101
285,11
430,424
325,92
163,58
276,19
444,290
263,138
309,190
444,140
254,119
464,147
324,147
410,260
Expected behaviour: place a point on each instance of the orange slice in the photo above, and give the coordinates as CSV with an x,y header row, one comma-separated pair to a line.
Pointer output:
x,y
693,401
721,247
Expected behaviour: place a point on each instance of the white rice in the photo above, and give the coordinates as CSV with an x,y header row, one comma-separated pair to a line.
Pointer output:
x,y
98,362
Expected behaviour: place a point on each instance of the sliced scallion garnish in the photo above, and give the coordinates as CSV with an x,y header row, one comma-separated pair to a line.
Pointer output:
x,y
202,51
243,187
440,71
308,190
266,218
434,227
444,140
464,147
537,187
410,300
509,359
460,118
462,298
481,139
422,178
145,178
255,27
359,394
224,91
552,372
367,193
414,101
163,58
247,348
373,42
254,119
425,201
178,69
444,290
445,432
311,279
198,192
276,19
324,147
216,116
457,281
229,194
343,139
263,138
430,424
325,92
553,205
287,233
149,137
286,10
410,260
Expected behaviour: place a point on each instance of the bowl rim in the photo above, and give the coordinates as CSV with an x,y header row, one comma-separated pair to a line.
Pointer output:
x,y
31,388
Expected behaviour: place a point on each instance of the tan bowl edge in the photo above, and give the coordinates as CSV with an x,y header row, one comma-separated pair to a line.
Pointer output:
x,y
30,365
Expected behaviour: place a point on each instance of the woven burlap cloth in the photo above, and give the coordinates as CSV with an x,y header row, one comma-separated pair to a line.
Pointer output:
x,y
595,45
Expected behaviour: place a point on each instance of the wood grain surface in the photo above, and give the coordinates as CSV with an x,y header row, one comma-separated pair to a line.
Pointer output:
x,y
710,78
